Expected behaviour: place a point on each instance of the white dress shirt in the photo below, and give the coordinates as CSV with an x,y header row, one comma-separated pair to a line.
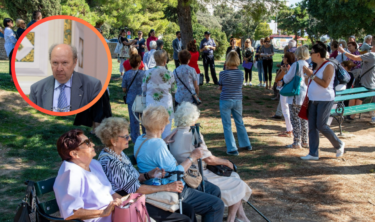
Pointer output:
x,y
10,40
56,93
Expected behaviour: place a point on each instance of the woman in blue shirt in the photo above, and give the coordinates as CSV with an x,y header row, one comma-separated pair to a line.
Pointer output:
x,y
230,82
10,41
151,151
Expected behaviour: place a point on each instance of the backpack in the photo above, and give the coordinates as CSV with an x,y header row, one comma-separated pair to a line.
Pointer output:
x,y
341,75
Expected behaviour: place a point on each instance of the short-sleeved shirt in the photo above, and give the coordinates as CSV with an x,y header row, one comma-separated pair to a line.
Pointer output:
x,y
140,43
182,148
366,47
231,81
248,53
187,75
368,80
356,63
154,153
268,50
209,42
121,174
136,87
77,188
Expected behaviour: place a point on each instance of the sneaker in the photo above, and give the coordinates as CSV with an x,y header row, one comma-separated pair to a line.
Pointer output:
x,y
233,153
247,147
260,85
340,151
244,84
309,157
264,85
276,117
372,121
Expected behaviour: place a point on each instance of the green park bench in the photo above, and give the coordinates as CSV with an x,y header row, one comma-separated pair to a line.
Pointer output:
x,y
45,209
349,94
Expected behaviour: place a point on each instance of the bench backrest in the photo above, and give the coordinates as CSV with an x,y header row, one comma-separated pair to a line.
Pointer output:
x,y
44,187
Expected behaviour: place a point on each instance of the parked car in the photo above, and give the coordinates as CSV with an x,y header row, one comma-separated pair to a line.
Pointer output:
x,y
113,40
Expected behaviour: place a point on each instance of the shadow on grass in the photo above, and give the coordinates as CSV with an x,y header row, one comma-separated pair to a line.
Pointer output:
x,y
6,84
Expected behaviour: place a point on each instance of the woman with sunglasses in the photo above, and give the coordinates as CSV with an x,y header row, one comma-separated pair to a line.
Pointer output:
x,y
267,52
125,179
248,53
21,27
81,188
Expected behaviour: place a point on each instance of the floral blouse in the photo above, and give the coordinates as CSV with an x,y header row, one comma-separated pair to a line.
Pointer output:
x,y
248,53
158,85
357,63
187,75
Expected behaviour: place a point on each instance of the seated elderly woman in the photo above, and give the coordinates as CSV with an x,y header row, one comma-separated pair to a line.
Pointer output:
x,y
125,179
80,178
233,189
151,151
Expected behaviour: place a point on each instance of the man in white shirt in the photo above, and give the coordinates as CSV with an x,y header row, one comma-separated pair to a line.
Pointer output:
x,y
66,90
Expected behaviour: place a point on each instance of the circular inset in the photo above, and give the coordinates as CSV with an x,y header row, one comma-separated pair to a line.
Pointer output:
x,y
63,64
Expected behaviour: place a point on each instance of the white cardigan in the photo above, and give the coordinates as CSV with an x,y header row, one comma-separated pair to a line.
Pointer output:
x,y
303,87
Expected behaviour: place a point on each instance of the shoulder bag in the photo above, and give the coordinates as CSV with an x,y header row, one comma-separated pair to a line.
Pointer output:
x,y
164,200
132,209
28,204
119,47
196,100
304,111
127,89
292,88
222,170
357,82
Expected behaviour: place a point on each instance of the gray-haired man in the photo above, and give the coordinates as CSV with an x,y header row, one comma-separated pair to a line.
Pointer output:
x,y
66,90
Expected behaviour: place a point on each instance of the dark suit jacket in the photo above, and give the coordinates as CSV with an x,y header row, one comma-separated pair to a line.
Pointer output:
x,y
84,89
176,48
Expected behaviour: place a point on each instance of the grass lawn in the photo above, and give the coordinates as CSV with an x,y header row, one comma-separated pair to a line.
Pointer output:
x,y
285,189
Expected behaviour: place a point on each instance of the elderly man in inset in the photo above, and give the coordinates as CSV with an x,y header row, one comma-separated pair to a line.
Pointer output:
x,y
66,90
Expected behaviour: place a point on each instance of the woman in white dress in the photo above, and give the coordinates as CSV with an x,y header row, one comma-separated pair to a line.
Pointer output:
x,y
158,86
233,189
81,188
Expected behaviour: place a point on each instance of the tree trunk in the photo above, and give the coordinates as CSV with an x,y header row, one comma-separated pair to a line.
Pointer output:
x,y
184,21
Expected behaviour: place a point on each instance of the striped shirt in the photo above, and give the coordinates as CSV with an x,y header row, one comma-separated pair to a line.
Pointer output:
x,y
231,81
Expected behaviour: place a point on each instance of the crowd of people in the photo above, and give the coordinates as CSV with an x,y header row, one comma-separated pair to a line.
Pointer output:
x,y
171,96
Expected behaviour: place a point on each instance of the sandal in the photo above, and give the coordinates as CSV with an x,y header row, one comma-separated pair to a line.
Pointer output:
x,y
286,134
296,146
305,145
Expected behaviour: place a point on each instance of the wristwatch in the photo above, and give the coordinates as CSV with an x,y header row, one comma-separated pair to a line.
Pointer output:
x,y
191,159
312,77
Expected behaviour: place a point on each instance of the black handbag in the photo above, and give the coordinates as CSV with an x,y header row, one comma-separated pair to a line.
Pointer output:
x,y
196,100
222,170
357,82
127,89
28,204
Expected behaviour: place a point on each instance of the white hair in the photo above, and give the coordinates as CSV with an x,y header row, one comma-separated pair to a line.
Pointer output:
x,y
367,37
153,45
302,53
323,39
186,114
292,43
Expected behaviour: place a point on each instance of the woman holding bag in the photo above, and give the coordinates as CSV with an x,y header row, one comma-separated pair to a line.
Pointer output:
x,y
248,53
321,95
300,126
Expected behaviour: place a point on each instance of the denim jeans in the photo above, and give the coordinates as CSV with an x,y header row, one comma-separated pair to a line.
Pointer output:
x,y
233,107
260,70
319,112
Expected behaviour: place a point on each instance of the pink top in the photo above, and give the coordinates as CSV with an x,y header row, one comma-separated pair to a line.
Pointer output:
x,y
151,38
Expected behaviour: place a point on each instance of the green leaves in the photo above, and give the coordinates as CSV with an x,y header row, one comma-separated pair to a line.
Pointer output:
x,y
263,30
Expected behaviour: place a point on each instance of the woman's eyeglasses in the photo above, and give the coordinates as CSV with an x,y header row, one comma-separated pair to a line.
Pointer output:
x,y
87,141
127,137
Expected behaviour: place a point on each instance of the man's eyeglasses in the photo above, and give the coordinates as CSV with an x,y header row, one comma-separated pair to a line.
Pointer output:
x,y
127,137
87,141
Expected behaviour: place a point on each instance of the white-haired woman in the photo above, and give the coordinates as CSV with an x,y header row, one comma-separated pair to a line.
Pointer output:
x,y
300,126
366,46
151,151
158,86
233,189
148,58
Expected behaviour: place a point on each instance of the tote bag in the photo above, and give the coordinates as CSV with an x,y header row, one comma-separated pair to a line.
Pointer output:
x,y
292,88
132,209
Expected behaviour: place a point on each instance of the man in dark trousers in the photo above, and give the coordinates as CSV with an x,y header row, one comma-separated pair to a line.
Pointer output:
x,y
177,47
207,48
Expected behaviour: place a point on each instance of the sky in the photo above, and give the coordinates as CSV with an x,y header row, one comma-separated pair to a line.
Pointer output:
x,y
294,1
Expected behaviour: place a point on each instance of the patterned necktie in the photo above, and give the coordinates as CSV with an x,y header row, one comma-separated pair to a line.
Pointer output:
x,y
62,101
